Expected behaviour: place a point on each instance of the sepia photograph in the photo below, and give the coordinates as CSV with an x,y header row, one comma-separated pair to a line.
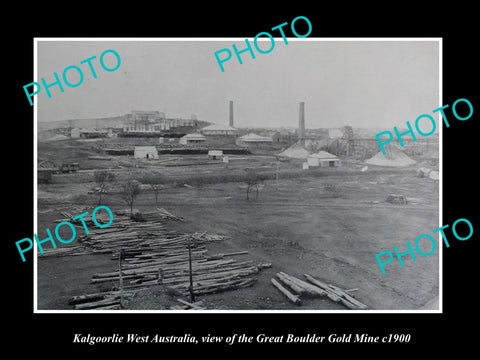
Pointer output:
x,y
303,179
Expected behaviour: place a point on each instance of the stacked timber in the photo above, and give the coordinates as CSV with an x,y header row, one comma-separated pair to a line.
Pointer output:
x,y
149,254
295,289
153,255
166,214
209,276
102,217
122,233
67,251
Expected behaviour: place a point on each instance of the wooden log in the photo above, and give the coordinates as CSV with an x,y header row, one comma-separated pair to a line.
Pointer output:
x,y
293,298
96,304
331,295
168,214
338,295
297,289
120,253
87,298
340,292
192,305
308,289
233,285
221,256
95,296
109,307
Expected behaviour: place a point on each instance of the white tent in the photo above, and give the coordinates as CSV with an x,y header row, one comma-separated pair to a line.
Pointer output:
x,y
392,157
145,152
296,151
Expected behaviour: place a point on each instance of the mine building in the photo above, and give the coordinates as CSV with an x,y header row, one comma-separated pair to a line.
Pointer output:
x,y
192,139
253,140
323,159
217,129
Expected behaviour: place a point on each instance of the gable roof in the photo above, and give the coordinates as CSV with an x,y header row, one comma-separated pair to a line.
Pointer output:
x,y
146,148
218,127
254,138
296,151
194,136
324,155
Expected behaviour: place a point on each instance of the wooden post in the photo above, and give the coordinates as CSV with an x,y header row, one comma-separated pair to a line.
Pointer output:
x,y
190,288
120,252
160,276
276,174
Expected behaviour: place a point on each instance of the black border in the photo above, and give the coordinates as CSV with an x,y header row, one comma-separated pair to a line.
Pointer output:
x,y
429,331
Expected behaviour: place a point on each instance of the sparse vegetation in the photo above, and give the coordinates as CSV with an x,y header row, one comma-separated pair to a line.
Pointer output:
x,y
252,180
102,178
156,183
130,191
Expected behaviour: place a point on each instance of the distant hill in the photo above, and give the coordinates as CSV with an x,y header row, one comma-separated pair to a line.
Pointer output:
x,y
108,122
83,123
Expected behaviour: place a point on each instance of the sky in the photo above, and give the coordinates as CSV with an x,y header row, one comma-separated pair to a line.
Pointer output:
x,y
377,84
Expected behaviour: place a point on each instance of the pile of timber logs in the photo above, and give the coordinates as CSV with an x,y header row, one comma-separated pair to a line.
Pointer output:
x,y
71,212
172,271
66,251
295,289
152,255
101,217
122,233
168,215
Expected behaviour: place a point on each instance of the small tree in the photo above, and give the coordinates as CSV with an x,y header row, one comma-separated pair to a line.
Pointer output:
x,y
130,191
155,183
102,177
252,180
349,138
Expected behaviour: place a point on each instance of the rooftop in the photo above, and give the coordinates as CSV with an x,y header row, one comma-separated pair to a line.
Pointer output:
x,y
193,136
324,155
252,137
218,127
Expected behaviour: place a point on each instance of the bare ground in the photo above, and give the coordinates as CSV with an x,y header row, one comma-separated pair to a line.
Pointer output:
x,y
330,227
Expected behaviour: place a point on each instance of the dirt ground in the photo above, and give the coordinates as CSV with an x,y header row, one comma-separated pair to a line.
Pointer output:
x,y
330,227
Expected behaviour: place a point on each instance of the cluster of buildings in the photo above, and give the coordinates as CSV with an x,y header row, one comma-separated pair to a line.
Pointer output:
x,y
189,131
229,133
155,121
300,144
140,124
311,145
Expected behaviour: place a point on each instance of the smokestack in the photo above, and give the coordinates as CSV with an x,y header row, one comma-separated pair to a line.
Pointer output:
x,y
301,123
231,114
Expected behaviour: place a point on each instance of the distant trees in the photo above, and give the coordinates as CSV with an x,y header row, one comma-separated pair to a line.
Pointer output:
x,y
348,137
252,180
130,190
102,177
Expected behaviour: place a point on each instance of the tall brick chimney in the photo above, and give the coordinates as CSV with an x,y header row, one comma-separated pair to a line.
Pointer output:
x,y
301,123
231,114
